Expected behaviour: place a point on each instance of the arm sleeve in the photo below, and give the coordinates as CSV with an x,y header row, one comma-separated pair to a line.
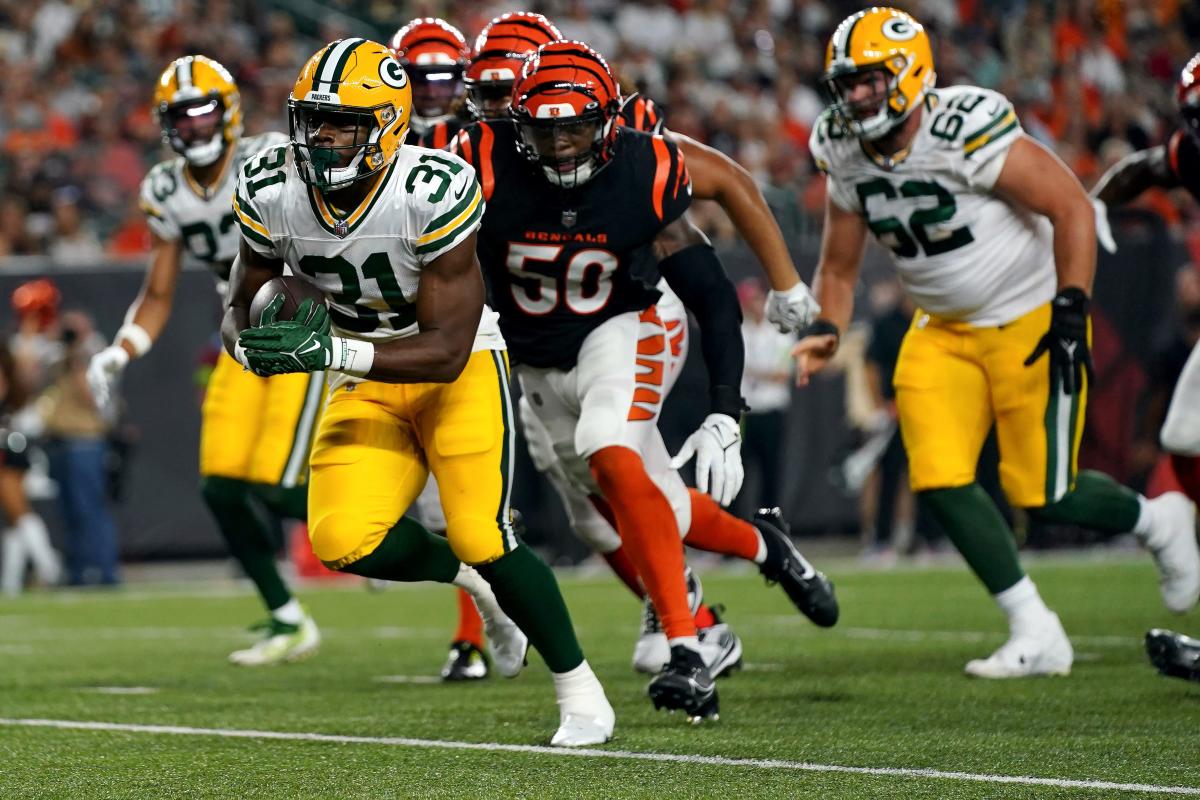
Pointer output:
x,y
671,192
156,187
696,275
1183,158
452,215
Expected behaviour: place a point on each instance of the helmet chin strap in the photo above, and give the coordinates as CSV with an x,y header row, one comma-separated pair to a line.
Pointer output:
x,y
579,176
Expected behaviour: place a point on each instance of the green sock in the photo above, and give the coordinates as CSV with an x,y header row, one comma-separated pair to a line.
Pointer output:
x,y
1097,502
247,528
527,591
408,552
291,502
980,533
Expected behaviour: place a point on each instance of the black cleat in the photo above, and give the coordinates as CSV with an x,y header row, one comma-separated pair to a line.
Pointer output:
x,y
1174,654
809,590
465,662
685,685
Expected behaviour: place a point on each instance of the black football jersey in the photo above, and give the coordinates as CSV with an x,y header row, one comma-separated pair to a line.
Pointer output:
x,y
559,262
1183,154
640,113
438,136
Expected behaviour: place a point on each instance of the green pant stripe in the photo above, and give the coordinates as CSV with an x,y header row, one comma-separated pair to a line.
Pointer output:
x,y
504,513
297,459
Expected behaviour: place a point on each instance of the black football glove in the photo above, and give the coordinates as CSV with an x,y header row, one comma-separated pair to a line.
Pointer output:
x,y
1067,340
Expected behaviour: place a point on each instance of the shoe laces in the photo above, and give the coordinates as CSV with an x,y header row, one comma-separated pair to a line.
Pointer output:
x,y
650,621
273,627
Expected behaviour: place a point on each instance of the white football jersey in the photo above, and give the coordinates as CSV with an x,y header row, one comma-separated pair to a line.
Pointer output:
x,y
367,262
962,252
177,207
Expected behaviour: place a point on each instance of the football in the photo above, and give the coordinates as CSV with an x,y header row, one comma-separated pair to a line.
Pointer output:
x,y
294,290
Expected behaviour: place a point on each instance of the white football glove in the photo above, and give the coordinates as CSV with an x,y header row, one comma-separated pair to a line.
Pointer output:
x,y
792,310
1103,231
103,372
717,445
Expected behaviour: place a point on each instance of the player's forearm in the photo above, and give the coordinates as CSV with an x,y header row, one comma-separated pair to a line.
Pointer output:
x,y
1131,176
428,357
1075,246
752,217
834,290
236,320
149,312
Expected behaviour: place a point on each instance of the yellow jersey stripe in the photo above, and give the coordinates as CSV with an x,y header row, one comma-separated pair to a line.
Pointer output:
x,y
454,223
977,141
249,221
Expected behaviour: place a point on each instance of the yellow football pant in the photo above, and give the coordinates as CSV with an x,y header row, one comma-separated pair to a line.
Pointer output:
x,y
377,444
953,381
259,429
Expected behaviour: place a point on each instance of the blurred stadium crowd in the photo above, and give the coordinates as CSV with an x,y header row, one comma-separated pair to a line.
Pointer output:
x,y
1093,78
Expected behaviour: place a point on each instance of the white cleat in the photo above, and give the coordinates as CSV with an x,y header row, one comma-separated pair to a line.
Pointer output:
x,y
578,730
1172,542
282,644
585,717
507,643
1039,649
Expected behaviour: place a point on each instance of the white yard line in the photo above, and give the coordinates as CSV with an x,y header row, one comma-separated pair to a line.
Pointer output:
x,y
627,755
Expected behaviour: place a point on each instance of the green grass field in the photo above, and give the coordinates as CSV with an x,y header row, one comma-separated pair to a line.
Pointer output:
x,y
882,691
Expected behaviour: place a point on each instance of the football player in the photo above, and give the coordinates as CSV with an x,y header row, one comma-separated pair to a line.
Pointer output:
x,y
434,54
1171,165
388,232
255,433
994,239
577,207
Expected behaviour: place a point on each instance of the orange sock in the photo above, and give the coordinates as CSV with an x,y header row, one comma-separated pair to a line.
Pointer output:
x,y
470,624
619,559
717,531
1187,470
704,617
649,534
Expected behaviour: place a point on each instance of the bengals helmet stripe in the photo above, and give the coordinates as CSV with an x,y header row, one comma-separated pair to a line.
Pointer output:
x,y
427,41
502,45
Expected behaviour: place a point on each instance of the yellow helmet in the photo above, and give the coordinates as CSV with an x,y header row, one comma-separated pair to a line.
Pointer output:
x,y
877,40
196,95
356,80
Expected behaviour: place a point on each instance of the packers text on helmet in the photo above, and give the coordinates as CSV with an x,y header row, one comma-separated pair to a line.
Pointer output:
x,y
350,84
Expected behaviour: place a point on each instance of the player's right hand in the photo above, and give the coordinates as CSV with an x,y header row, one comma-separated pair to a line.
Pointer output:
x,y
793,309
104,370
812,353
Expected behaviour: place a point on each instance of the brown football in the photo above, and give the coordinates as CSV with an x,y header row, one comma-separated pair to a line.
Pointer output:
x,y
294,290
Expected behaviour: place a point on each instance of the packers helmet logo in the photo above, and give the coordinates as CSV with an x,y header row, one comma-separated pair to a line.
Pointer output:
x,y
899,29
392,73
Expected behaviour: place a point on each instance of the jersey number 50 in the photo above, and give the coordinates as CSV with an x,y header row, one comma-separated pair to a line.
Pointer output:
x,y
585,286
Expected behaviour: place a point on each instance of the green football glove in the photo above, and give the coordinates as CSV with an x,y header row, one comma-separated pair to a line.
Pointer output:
x,y
300,345
284,347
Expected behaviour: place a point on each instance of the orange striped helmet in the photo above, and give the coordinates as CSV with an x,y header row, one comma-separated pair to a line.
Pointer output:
x,y
566,102
500,50
1187,96
434,53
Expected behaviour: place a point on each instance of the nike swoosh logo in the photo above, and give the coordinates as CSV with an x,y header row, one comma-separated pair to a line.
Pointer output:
x,y
459,195
314,346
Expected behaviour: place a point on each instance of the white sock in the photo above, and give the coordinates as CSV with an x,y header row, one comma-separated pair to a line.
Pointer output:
x,y
468,578
33,533
12,563
1145,520
1021,601
290,612
577,689
690,642
761,555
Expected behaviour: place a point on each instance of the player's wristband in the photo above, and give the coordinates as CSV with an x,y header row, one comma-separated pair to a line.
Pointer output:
x,y
821,327
137,336
351,356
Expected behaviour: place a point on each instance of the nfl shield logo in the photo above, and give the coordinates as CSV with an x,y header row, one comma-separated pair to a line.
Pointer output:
x,y
341,229
569,218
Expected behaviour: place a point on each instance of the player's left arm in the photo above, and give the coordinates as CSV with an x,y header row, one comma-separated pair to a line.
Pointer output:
x,y
717,177
1033,177
691,267
251,269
